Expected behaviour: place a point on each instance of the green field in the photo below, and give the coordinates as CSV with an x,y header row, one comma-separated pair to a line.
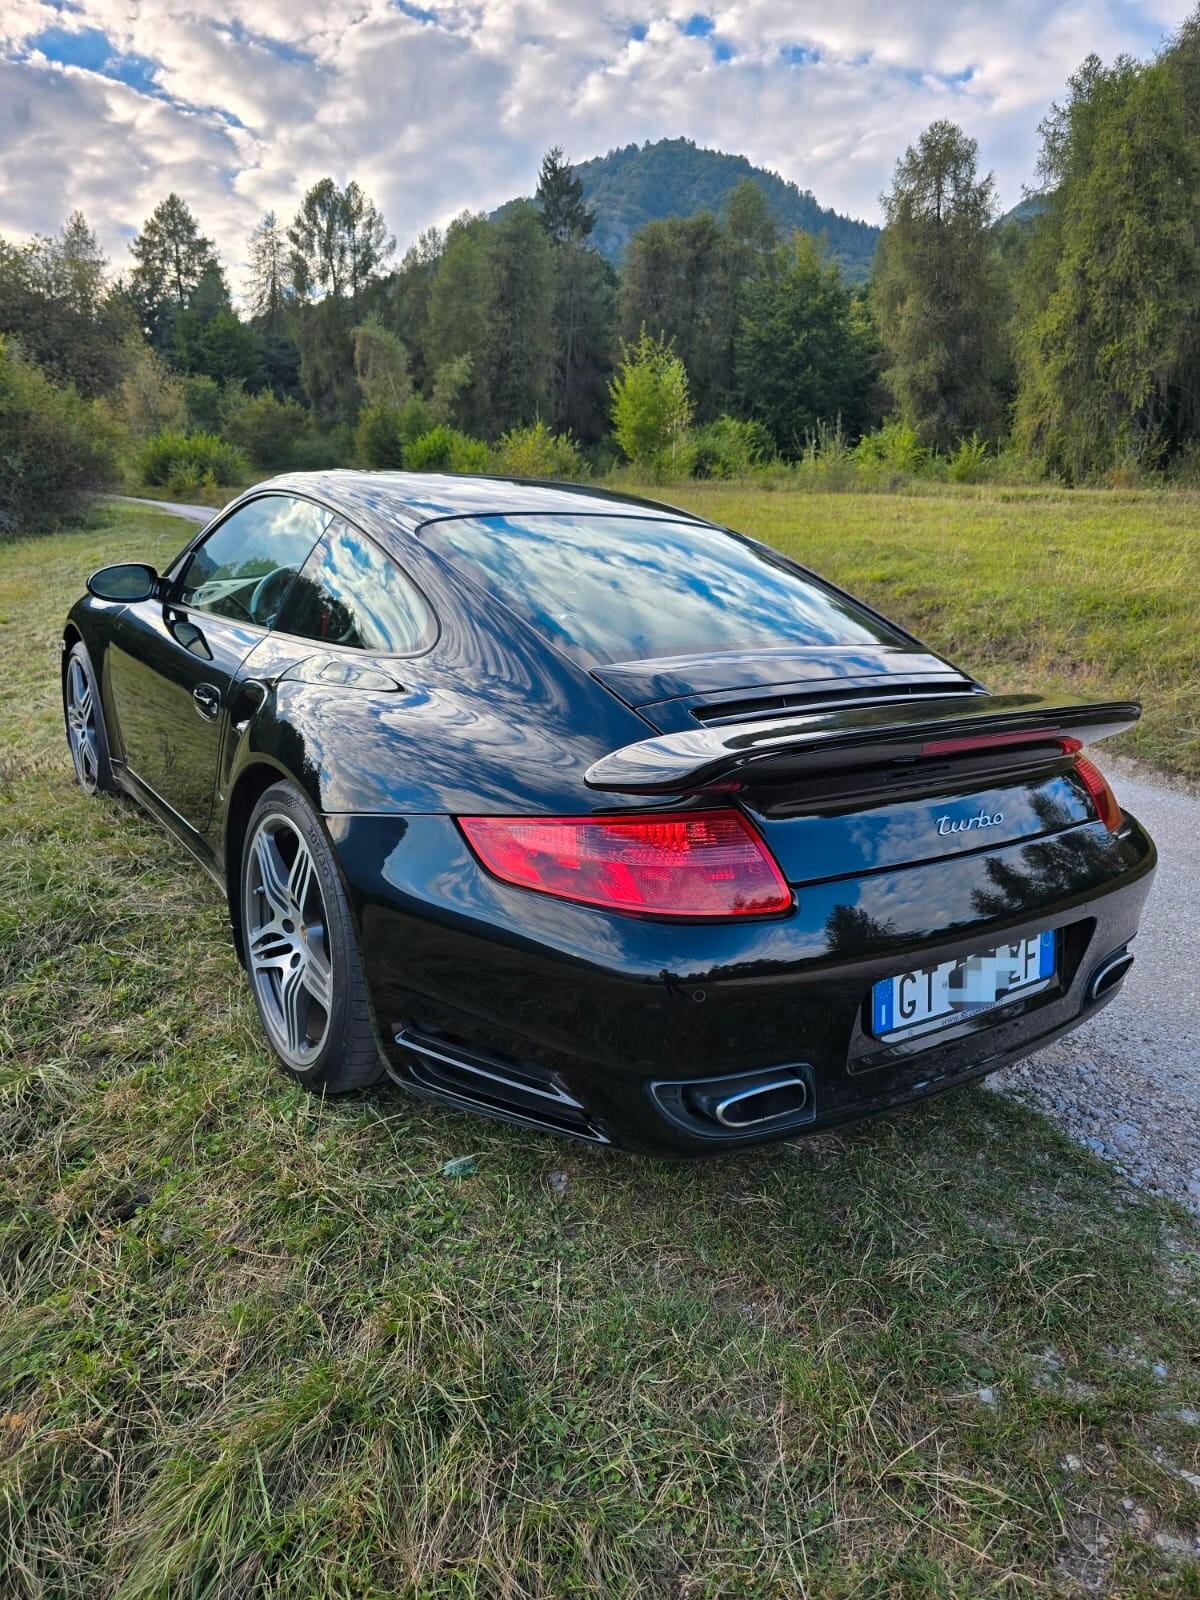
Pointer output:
x,y
255,1345
1095,593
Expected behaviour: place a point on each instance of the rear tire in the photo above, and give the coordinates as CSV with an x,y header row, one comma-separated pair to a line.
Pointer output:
x,y
83,714
301,953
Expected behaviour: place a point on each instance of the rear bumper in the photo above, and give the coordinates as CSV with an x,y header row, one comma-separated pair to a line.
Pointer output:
x,y
594,1017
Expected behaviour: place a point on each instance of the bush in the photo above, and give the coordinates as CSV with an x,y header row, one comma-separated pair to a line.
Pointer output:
x,y
729,448
167,458
650,406
377,439
267,429
895,445
202,404
55,449
969,462
444,449
535,452
318,452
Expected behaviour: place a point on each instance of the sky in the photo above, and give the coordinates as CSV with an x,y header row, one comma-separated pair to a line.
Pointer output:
x,y
436,106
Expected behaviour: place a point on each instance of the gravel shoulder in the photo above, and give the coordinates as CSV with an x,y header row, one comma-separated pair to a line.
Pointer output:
x,y
1127,1085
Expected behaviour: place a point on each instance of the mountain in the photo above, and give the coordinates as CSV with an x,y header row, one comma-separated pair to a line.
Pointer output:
x,y
676,178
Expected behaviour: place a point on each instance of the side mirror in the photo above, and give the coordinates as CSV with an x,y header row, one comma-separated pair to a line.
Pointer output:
x,y
127,580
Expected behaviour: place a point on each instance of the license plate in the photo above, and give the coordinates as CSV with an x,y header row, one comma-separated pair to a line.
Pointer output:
x,y
934,997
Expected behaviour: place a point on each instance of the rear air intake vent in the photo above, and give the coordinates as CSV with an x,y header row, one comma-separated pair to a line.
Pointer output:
x,y
716,713
528,1094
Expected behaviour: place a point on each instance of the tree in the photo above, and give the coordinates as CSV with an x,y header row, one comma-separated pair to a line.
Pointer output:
x,y
267,284
584,313
560,200
380,364
513,360
339,242
681,281
650,406
800,358
936,291
56,298
172,256
1108,317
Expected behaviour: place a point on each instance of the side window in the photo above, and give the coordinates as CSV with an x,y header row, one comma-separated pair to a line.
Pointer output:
x,y
245,567
352,593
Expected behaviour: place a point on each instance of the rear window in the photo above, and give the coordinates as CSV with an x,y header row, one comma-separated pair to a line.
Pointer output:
x,y
631,588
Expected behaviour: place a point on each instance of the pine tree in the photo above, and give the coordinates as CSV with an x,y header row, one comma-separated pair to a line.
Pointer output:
x,y
172,256
514,355
936,291
801,359
560,200
266,290
339,241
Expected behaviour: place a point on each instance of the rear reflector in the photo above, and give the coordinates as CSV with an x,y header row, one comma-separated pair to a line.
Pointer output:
x,y
665,864
994,741
1097,785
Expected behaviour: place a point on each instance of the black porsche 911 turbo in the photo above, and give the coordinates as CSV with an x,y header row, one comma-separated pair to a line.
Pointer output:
x,y
580,811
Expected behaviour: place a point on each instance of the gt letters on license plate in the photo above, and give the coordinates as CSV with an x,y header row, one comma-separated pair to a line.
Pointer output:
x,y
934,997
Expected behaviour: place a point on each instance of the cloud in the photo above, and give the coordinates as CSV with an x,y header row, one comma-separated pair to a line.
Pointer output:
x,y
440,105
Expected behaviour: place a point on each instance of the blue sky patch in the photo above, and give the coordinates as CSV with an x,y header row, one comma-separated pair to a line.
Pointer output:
x,y
85,47
799,55
699,26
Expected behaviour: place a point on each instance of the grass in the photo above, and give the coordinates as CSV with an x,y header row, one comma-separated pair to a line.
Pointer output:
x,y
253,1344
1094,593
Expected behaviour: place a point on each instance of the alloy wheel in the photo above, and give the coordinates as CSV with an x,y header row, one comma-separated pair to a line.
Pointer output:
x,y
81,725
287,940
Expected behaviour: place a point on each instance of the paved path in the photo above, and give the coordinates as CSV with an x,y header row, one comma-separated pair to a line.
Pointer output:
x,y
192,513
1127,1084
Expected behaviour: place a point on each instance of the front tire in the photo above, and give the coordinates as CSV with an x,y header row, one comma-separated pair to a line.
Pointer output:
x,y
301,952
87,737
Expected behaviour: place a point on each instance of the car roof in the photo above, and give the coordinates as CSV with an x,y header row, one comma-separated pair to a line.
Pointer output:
x,y
406,500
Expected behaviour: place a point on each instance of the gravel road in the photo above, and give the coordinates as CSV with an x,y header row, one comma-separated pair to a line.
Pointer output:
x,y
1128,1084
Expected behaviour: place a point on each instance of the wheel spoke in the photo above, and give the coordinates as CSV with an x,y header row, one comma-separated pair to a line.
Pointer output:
x,y
300,877
318,979
293,999
271,873
270,947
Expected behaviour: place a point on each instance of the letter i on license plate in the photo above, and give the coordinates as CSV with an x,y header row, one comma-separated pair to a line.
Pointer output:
x,y
933,997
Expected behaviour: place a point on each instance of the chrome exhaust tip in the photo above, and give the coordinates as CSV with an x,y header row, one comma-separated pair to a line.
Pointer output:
x,y
1109,973
759,1104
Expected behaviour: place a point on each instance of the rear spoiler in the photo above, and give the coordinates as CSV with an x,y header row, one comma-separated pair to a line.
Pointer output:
x,y
824,740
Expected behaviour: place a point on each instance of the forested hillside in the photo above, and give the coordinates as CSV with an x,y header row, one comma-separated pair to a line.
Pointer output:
x,y
675,178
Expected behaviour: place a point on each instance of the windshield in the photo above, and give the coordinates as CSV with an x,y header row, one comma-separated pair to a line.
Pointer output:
x,y
607,589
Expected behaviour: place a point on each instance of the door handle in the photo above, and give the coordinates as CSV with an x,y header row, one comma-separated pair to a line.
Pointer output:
x,y
207,700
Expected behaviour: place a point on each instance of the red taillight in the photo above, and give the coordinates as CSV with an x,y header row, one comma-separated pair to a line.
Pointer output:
x,y
1103,798
669,864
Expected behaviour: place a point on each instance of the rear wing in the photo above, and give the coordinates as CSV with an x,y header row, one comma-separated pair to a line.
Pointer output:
x,y
781,748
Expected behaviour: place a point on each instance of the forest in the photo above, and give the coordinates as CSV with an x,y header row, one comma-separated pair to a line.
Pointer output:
x,y
1059,343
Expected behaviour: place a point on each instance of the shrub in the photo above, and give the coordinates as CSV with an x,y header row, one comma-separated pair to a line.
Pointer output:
x,y
417,416
969,462
444,449
317,452
267,429
535,452
168,456
55,448
729,448
895,445
377,439
650,406
150,398
202,404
